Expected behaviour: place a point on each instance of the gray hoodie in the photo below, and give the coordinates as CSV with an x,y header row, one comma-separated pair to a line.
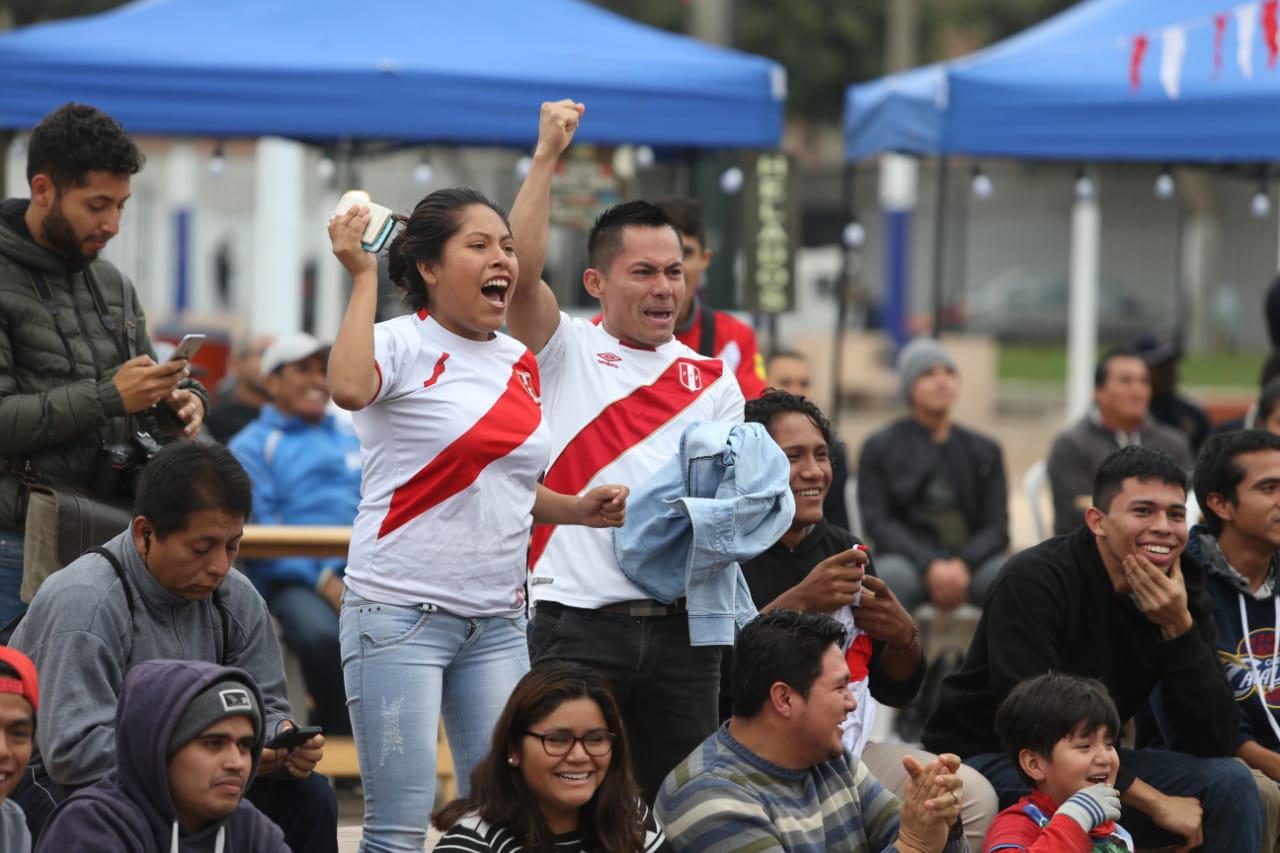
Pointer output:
x,y
79,633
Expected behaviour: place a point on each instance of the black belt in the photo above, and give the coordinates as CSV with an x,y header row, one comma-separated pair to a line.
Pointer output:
x,y
637,609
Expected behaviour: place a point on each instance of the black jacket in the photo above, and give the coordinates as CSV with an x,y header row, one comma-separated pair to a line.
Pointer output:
x,y
893,471
778,570
1054,608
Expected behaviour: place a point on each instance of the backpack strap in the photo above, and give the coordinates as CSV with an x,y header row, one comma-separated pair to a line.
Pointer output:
x,y
224,616
44,293
119,570
707,331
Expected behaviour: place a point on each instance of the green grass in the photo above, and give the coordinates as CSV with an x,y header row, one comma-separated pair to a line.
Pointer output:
x,y
1048,364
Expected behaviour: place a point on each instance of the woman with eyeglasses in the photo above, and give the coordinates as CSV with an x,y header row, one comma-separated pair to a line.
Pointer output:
x,y
558,777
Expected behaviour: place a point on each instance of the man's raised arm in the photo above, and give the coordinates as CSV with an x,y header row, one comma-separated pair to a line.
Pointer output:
x,y
533,314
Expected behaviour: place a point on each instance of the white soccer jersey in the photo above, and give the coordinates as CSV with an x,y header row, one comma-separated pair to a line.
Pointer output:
x,y
452,447
616,414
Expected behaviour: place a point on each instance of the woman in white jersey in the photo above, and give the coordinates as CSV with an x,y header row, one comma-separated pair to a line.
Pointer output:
x,y
452,445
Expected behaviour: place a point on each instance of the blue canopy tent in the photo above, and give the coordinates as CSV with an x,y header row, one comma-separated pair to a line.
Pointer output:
x,y
421,71
1106,80
1172,81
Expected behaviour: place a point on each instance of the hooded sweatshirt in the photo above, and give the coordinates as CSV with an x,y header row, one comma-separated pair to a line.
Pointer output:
x,y
131,810
83,640
58,401
1252,666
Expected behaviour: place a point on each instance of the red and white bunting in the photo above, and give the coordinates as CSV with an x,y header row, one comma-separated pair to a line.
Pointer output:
x,y
1246,27
1173,50
1271,30
1137,51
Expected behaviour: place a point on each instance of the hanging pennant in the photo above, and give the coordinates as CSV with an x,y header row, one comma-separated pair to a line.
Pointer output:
x,y
1173,50
1246,26
1271,30
1136,53
1219,36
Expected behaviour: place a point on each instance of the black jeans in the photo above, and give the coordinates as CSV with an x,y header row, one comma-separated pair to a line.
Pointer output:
x,y
667,689
306,810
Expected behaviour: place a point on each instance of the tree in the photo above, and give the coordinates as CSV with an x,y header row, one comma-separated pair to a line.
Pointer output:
x,y
827,44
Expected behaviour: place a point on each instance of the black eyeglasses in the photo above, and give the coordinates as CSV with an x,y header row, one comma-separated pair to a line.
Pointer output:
x,y
596,742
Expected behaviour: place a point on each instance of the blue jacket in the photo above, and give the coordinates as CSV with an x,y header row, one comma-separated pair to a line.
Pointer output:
x,y
302,474
725,498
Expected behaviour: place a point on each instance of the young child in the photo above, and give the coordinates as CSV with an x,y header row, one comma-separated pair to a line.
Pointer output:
x,y
1060,731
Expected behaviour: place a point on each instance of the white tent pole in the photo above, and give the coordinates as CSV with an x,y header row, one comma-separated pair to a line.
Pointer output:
x,y
275,305
1082,331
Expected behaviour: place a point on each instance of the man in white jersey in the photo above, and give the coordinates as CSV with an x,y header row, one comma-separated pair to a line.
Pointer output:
x,y
617,397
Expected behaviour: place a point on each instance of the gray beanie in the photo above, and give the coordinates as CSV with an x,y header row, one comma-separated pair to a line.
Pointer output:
x,y
916,358
228,698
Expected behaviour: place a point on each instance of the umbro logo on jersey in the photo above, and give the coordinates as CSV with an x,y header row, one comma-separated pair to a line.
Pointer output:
x,y
608,359
436,371
690,376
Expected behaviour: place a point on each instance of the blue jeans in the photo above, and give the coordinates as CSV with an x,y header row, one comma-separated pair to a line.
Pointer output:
x,y
11,606
404,667
1224,786
310,628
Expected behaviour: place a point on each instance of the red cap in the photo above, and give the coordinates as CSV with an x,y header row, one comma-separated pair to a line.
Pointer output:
x,y
25,685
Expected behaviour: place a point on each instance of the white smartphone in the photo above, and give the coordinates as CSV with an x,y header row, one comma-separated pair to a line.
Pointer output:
x,y
382,221
187,347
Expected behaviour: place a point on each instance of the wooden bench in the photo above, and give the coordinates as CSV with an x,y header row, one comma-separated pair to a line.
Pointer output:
x,y
267,541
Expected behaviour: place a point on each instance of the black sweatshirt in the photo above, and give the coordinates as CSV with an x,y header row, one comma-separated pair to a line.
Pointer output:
x,y
1054,608
780,568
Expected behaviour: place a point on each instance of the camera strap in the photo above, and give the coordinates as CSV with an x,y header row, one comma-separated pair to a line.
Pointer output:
x,y
224,617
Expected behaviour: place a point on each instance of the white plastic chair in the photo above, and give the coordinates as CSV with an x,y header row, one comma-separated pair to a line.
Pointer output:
x,y
1033,485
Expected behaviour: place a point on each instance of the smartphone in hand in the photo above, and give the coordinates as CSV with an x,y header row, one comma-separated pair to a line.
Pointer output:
x,y
290,738
187,347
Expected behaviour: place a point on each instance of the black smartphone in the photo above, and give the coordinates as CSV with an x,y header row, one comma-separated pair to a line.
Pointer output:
x,y
289,738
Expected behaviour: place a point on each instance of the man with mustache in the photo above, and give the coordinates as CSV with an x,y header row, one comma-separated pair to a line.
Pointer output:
x,y
189,736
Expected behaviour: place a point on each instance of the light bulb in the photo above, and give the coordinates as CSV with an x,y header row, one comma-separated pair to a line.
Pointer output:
x,y
644,156
854,235
325,168
422,173
1261,204
981,185
1165,186
217,163
523,165
731,180
1084,188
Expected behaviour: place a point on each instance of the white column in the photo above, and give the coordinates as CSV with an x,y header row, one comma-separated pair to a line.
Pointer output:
x,y
275,303
15,169
182,176
331,303
1082,329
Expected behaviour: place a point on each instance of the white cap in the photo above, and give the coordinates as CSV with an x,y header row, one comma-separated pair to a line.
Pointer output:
x,y
290,348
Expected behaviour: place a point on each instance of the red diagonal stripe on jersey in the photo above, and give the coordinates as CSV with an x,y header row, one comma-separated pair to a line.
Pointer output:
x,y
502,429
617,429
858,657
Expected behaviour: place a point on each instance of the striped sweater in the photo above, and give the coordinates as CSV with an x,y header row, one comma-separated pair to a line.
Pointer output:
x,y
724,798
471,834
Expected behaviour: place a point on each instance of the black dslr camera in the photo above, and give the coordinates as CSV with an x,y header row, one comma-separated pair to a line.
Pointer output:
x,y
118,467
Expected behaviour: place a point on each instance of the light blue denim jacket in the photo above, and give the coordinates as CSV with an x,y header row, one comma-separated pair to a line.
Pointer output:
x,y
724,499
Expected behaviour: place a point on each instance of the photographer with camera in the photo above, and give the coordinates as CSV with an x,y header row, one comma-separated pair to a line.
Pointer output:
x,y
165,588
82,397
